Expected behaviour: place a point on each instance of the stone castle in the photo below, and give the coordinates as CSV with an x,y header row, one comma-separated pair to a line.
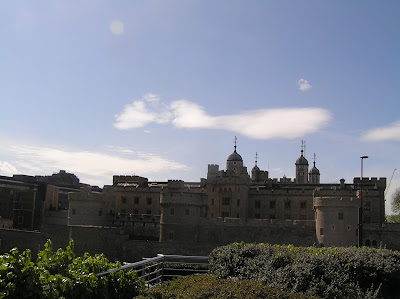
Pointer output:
x,y
229,205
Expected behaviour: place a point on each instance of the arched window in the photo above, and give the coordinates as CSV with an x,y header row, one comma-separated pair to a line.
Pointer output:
x,y
374,243
368,243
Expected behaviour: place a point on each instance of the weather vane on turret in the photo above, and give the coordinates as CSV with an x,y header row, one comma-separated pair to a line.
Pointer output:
x,y
303,147
235,142
315,158
256,158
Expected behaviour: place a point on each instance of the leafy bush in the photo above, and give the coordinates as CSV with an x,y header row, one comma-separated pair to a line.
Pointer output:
x,y
325,272
61,274
207,286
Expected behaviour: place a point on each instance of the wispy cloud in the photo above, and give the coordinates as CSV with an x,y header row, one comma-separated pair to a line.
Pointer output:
x,y
303,85
92,167
256,124
391,132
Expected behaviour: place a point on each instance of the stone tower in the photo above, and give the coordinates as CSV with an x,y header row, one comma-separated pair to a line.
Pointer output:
x,y
301,169
336,220
234,163
314,175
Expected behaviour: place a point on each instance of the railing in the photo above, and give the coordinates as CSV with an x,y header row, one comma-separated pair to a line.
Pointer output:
x,y
161,268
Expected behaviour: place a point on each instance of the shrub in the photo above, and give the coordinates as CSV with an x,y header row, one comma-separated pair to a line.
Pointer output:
x,y
325,272
62,274
208,286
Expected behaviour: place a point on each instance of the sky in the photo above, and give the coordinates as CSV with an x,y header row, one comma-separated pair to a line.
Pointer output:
x,y
161,88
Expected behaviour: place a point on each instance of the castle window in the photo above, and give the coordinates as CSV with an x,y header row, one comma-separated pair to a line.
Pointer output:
x,y
73,211
123,199
136,200
238,202
272,204
224,214
257,215
237,215
348,227
374,243
148,212
123,211
340,215
302,217
287,205
287,216
20,219
212,201
149,200
136,212
272,216
321,231
368,243
333,227
170,236
303,204
187,212
367,206
257,204
226,201
172,211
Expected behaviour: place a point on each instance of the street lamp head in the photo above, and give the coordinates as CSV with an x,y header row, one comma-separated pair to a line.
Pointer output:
x,y
364,157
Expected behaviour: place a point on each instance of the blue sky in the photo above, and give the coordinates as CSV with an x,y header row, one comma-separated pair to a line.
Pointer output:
x,y
161,88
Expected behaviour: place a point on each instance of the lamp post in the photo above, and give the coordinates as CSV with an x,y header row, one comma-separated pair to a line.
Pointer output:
x,y
360,215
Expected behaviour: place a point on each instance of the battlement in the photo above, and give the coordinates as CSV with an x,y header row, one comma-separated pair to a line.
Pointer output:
x,y
333,201
213,168
131,179
381,182
176,184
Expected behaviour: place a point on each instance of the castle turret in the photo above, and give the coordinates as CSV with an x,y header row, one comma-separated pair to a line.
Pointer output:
x,y
234,163
314,175
301,169
258,175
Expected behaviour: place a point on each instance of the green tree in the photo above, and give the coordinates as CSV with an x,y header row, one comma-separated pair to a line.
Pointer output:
x,y
396,201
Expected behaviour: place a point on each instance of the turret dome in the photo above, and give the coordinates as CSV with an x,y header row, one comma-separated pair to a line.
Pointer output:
x,y
235,157
314,170
301,160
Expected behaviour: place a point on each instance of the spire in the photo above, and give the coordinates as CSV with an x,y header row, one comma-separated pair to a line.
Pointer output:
x,y
315,158
235,143
256,158
303,147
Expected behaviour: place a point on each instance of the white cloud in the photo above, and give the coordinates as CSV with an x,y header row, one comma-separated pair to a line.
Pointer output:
x,y
138,114
116,27
7,169
303,85
93,166
256,124
391,132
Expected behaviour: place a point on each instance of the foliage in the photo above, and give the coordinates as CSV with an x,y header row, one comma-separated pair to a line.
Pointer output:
x,y
393,218
61,274
325,272
208,286
396,201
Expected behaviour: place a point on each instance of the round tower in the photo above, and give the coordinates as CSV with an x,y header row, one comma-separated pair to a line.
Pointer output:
x,y
336,220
